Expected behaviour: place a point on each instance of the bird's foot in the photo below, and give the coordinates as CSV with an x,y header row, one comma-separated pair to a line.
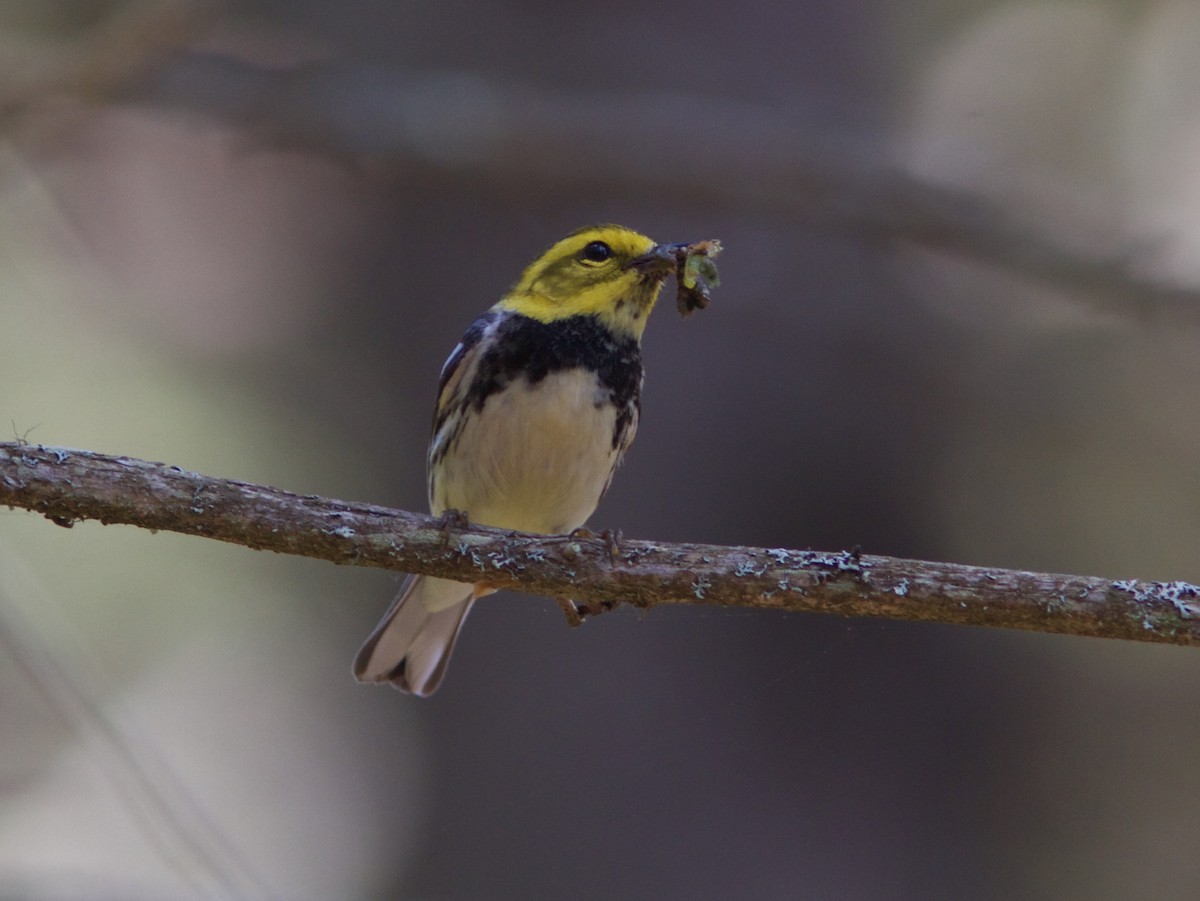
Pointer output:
x,y
611,538
584,610
573,613
450,520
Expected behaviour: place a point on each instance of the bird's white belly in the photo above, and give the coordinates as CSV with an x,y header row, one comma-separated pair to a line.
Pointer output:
x,y
536,458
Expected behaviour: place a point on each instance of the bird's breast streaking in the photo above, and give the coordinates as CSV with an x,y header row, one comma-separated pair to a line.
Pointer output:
x,y
529,430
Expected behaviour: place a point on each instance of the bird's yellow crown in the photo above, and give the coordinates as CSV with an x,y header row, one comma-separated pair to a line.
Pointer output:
x,y
588,273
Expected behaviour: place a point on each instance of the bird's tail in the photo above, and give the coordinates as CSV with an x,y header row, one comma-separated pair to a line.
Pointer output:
x,y
412,643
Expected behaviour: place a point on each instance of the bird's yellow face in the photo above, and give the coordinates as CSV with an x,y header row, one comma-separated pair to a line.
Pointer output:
x,y
604,270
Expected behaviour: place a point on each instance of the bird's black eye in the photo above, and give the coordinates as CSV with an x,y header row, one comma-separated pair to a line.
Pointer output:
x,y
597,252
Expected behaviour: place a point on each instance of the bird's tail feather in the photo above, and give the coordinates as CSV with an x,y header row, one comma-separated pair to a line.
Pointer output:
x,y
412,643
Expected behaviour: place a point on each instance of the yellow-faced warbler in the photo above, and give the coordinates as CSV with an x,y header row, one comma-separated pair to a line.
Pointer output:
x,y
535,408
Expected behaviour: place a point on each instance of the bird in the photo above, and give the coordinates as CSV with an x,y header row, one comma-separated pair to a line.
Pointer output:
x,y
536,406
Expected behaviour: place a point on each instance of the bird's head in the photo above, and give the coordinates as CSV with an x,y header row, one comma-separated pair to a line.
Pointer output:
x,y
608,271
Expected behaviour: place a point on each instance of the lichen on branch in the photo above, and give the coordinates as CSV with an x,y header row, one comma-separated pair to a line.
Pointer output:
x,y
70,486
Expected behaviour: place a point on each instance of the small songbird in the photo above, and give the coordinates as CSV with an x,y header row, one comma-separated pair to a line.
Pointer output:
x,y
535,408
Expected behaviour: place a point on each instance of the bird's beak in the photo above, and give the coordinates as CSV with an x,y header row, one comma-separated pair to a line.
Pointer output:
x,y
660,260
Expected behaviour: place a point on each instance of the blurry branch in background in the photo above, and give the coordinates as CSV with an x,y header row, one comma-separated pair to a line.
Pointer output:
x,y
68,486
737,157
136,38
530,140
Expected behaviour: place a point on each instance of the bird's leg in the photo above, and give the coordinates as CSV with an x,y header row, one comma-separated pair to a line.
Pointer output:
x,y
573,613
611,538
584,610
453,519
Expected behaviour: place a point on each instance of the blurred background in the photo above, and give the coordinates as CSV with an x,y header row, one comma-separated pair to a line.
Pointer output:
x,y
958,321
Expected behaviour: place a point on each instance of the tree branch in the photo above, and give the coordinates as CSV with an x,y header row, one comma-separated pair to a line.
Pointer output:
x,y
68,486
761,159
